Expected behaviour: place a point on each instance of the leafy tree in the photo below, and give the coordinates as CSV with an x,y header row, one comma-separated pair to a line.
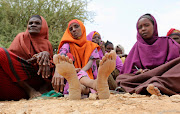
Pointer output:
x,y
16,13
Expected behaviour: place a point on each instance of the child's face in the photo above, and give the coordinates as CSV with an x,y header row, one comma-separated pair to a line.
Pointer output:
x,y
176,38
96,39
75,30
109,47
118,50
145,28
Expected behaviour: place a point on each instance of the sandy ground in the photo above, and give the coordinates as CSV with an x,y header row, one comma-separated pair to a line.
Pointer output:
x,y
118,103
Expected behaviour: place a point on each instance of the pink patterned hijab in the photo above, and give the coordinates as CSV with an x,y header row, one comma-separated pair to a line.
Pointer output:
x,y
90,36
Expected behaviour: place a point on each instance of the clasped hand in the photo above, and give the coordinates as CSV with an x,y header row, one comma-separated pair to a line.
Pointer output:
x,y
42,59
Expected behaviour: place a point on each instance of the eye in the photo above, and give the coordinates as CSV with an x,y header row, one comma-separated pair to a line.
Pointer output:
x,y
76,26
140,27
175,38
70,28
30,23
146,25
37,23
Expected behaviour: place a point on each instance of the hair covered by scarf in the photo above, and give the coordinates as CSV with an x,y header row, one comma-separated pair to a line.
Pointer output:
x,y
91,35
81,48
25,45
121,47
149,54
173,31
89,38
107,43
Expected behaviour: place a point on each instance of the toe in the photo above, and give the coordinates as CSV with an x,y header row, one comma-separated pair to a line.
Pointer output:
x,y
157,91
67,59
106,55
113,55
104,59
55,59
101,62
60,57
63,58
151,86
70,61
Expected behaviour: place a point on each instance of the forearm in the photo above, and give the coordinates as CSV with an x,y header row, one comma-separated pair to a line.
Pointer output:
x,y
88,65
103,50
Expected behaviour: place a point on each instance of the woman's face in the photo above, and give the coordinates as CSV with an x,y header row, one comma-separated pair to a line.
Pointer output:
x,y
109,47
118,50
145,28
75,30
34,25
96,39
176,38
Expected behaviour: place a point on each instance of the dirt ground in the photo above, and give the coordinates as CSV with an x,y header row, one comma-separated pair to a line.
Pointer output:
x,y
118,103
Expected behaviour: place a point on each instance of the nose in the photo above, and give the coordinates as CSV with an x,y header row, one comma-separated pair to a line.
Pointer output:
x,y
143,28
33,24
74,29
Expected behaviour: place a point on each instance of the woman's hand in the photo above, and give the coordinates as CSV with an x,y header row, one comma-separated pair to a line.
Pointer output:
x,y
58,82
77,69
32,60
44,64
140,71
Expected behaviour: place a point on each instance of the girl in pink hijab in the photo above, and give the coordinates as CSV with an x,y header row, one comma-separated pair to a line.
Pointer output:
x,y
151,66
95,37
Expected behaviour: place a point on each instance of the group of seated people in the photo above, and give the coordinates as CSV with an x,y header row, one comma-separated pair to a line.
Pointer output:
x,y
87,64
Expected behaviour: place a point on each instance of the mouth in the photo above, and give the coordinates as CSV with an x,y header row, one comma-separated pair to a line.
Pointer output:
x,y
144,34
33,28
75,34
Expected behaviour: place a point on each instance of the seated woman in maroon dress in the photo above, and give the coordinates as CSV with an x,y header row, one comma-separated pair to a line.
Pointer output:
x,y
149,66
25,66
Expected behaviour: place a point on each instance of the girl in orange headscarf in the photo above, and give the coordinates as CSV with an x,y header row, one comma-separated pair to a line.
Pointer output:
x,y
29,55
85,52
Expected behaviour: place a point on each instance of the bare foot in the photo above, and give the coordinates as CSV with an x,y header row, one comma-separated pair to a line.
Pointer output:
x,y
33,94
153,90
29,90
106,66
84,90
65,67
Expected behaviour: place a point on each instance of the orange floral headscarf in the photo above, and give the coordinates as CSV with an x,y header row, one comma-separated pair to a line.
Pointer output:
x,y
80,48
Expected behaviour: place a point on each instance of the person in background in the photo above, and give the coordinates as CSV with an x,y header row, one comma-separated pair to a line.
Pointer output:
x,y
112,78
151,66
120,52
95,37
174,34
79,74
27,64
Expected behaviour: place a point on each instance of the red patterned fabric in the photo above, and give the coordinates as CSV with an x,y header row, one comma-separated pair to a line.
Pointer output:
x,y
13,69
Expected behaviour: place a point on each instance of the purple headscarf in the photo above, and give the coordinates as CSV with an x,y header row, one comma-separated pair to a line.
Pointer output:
x,y
89,37
148,54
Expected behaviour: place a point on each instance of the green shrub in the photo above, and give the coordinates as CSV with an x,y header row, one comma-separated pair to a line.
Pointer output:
x,y
16,13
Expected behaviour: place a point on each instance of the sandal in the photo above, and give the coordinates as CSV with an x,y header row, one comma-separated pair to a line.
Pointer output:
x,y
52,93
49,95
118,90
